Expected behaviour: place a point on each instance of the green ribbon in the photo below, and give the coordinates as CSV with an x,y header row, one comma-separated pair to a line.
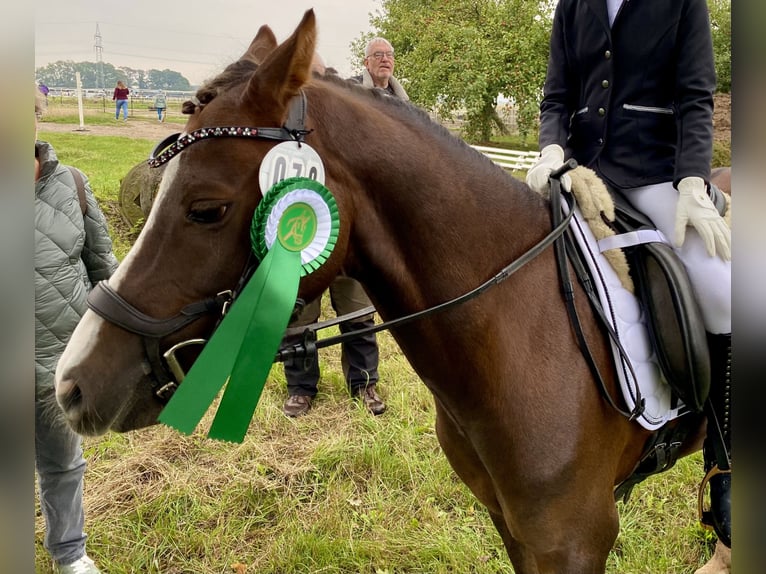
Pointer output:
x,y
243,347
242,350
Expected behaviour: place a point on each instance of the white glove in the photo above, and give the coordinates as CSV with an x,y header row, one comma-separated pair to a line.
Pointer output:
x,y
696,208
551,158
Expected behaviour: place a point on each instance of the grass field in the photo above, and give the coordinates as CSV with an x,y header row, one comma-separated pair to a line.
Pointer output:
x,y
337,491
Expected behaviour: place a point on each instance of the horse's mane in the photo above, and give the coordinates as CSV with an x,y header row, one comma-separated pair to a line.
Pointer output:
x,y
242,70
407,112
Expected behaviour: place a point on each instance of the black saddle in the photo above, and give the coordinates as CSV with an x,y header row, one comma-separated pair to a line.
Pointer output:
x,y
674,320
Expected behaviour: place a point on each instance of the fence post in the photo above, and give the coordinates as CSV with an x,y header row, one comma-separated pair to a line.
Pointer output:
x,y
78,83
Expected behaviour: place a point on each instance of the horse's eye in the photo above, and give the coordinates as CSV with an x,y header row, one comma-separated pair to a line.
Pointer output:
x,y
207,213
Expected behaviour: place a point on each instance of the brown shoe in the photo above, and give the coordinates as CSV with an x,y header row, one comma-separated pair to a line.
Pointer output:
x,y
371,399
296,405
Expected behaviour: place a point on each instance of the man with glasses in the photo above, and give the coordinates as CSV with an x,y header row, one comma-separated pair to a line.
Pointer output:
x,y
379,68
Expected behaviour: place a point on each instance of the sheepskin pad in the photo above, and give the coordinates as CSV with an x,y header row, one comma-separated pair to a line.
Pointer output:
x,y
639,366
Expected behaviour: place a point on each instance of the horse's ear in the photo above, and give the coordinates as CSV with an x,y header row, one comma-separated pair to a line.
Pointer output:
x,y
262,45
284,70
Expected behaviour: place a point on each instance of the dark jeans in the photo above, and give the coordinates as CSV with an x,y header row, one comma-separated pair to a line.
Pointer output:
x,y
359,356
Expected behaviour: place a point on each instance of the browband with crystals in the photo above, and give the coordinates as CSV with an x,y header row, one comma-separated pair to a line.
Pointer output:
x,y
175,143
293,130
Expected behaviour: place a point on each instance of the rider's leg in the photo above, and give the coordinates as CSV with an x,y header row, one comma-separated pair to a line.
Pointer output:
x,y
711,279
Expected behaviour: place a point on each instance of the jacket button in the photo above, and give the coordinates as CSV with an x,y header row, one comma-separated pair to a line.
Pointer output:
x,y
600,141
605,83
601,112
607,54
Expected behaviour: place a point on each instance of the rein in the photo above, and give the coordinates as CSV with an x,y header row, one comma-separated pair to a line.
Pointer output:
x,y
307,348
564,250
303,350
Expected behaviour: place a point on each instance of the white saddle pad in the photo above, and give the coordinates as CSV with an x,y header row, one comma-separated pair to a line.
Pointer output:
x,y
626,318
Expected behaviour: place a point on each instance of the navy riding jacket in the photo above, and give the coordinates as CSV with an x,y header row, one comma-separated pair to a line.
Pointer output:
x,y
634,102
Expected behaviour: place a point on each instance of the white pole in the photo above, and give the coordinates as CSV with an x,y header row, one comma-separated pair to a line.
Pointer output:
x,y
79,100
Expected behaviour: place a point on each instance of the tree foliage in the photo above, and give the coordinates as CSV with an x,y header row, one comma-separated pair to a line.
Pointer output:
x,y
458,56
720,20
103,75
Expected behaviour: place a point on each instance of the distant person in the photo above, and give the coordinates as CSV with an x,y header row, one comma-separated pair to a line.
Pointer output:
x,y
359,356
120,97
379,68
44,90
73,251
160,104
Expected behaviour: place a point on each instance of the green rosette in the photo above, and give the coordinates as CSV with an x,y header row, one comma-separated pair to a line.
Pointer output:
x,y
293,232
301,196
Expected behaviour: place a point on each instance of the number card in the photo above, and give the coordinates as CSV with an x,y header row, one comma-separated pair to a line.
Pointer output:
x,y
290,159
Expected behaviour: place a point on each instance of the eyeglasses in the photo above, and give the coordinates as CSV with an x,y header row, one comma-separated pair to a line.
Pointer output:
x,y
379,55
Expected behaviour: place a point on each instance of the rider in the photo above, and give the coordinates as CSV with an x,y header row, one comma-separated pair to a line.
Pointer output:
x,y
629,94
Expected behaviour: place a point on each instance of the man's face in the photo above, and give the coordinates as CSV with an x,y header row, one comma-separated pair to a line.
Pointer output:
x,y
380,63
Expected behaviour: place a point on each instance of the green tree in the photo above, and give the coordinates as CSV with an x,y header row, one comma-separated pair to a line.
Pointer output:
x,y
720,20
460,55
166,80
62,74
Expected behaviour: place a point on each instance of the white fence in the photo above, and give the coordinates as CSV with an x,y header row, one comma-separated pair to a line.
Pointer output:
x,y
510,158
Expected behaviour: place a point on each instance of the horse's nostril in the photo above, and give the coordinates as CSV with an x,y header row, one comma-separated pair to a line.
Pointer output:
x,y
69,396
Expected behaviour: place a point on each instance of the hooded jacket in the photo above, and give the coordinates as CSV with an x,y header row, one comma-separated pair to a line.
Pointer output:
x,y
72,253
394,87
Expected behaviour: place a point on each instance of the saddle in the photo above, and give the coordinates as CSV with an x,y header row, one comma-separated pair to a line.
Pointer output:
x,y
674,320
649,268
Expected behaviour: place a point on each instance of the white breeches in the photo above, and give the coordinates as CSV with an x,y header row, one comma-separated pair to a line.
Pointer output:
x,y
710,277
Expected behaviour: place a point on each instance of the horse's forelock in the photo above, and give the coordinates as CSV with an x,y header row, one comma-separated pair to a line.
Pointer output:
x,y
234,74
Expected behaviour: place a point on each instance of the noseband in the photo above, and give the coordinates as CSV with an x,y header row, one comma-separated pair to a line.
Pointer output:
x,y
166,370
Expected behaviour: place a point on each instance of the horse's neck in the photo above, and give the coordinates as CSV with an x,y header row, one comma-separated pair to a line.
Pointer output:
x,y
429,207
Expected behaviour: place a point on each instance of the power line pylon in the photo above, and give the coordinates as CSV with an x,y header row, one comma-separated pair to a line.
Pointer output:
x,y
99,48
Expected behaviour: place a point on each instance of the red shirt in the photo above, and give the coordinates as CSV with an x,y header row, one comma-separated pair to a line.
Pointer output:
x,y
120,94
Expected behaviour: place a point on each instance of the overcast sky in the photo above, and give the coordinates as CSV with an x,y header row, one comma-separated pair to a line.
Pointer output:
x,y
197,39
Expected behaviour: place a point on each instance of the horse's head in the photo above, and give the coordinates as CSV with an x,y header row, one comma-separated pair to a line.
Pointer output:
x,y
195,249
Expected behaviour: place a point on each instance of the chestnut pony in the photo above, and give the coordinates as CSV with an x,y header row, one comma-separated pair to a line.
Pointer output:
x,y
424,219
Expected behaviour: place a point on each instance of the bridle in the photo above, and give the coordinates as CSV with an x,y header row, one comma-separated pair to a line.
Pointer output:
x,y
166,370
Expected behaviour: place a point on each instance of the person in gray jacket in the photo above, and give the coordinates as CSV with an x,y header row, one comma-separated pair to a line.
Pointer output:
x,y
161,105
73,251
